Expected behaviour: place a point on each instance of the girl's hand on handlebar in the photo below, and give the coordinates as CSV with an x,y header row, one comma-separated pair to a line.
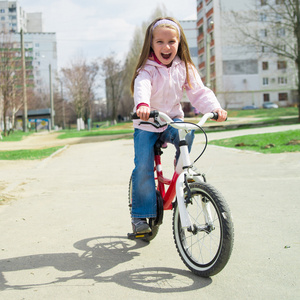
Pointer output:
x,y
143,112
222,114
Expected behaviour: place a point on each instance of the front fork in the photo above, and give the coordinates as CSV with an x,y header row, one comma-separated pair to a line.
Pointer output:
x,y
184,198
188,175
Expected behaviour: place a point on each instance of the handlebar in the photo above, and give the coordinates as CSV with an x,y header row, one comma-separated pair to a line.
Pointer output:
x,y
153,114
162,120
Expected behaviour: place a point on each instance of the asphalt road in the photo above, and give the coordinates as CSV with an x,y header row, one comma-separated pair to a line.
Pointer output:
x,y
63,232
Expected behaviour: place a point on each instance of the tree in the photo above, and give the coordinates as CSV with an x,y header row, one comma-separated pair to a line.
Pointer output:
x,y
114,73
9,80
278,31
80,81
118,77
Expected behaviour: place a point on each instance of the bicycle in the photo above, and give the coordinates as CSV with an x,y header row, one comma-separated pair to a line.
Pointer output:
x,y
202,223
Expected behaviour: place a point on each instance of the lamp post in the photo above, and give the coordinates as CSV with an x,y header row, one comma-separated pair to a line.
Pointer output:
x,y
208,41
63,104
51,97
24,82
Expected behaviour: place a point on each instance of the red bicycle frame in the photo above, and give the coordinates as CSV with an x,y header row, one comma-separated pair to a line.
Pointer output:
x,y
169,195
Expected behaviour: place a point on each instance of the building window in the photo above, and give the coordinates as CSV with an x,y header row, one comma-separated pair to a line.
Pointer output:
x,y
282,48
28,53
278,18
194,51
202,72
201,44
282,80
263,33
266,97
265,81
201,59
265,65
265,49
2,10
282,96
210,22
281,65
263,17
280,32
213,84
263,2
200,30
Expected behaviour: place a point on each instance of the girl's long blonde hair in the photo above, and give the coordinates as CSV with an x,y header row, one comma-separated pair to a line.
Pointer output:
x,y
183,50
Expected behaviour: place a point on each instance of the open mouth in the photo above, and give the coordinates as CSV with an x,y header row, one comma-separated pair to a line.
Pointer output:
x,y
166,56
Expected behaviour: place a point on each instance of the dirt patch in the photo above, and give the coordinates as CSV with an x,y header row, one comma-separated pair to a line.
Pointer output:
x,y
293,142
4,197
47,139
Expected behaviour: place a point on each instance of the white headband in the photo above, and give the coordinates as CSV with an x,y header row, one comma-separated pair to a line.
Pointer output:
x,y
168,22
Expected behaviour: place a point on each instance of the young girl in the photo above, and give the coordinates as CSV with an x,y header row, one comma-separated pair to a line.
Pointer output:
x,y
164,70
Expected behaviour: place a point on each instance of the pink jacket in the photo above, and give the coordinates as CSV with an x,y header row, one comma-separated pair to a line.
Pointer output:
x,y
162,89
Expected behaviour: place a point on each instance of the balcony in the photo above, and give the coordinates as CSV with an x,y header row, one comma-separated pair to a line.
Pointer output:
x,y
200,22
200,37
202,65
200,6
201,51
209,13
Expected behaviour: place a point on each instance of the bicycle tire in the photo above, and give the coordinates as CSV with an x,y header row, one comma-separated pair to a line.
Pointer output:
x,y
204,253
152,222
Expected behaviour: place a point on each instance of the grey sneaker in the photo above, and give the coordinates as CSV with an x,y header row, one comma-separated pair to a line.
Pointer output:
x,y
140,226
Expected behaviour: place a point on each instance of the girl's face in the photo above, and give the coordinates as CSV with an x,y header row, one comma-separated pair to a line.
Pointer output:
x,y
165,44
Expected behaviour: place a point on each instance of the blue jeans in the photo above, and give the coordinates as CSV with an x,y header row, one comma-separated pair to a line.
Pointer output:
x,y
143,184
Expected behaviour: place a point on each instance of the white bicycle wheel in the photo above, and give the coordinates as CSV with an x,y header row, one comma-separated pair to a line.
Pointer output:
x,y
205,249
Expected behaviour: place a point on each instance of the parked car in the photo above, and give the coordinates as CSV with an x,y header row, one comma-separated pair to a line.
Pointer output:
x,y
250,107
270,105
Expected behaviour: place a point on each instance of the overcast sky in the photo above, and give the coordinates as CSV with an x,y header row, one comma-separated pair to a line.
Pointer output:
x,y
93,29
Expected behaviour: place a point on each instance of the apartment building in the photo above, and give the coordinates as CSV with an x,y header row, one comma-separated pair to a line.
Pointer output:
x,y
40,46
240,74
190,30
12,17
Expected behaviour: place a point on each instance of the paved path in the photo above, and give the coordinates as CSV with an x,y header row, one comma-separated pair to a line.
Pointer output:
x,y
63,233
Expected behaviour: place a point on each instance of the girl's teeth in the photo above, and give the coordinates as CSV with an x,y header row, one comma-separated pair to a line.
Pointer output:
x,y
166,56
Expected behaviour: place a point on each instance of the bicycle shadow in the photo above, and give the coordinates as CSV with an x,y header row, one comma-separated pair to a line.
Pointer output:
x,y
100,254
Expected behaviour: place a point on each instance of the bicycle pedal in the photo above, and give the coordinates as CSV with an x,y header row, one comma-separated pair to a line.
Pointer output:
x,y
133,236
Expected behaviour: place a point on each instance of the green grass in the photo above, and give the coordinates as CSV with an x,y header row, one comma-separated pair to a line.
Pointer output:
x,y
15,136
28,154
264,113
277,142
75,133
